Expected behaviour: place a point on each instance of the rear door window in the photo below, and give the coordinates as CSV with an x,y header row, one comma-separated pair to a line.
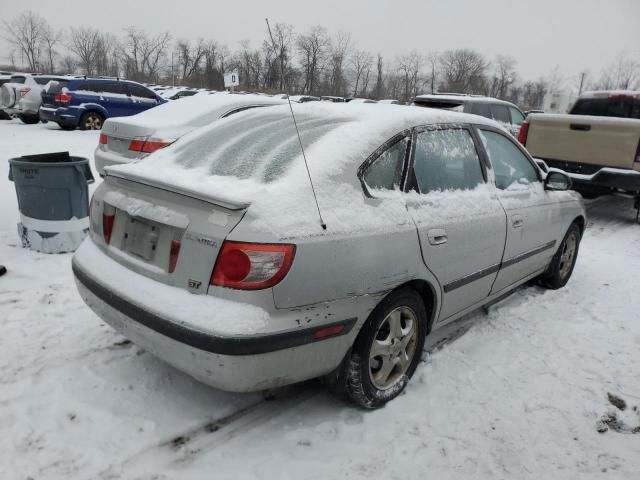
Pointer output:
x,y
477,108
509,163
385,172
113,87
446,159
500,113
139,91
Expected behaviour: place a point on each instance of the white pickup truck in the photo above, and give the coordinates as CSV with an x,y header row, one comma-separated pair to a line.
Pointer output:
x,y
597,143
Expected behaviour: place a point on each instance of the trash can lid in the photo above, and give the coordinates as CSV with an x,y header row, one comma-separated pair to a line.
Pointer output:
x,y
47,157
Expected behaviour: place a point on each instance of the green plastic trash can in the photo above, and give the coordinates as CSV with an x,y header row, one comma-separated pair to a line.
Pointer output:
x,y
53,198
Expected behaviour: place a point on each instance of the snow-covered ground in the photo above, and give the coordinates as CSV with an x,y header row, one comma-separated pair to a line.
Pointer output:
x,y
516,393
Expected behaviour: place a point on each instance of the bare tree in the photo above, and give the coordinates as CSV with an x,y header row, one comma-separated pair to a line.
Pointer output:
x,y
623,73
379,88
25,34
463,70
68,64
278,55
337,83
361,62
409,67
84,42
432,62
50,39
313,48
504,76
190,57
143,54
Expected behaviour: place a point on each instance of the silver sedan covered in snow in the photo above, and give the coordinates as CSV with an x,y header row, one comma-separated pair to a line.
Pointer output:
x,y
212,255
125,139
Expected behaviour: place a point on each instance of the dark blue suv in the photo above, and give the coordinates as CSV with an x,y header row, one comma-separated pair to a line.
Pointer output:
x,y
88,102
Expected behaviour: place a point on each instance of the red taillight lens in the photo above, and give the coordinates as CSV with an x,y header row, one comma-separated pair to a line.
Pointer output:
x,y
174,252
107,226
63,98
24,91
252,266
523,133
103,139
148,146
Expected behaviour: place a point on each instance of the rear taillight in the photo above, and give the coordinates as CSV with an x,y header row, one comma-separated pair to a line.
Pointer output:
x,y
24,91
252,266
63,98
107,226
103,139
148,146
523,132
174,252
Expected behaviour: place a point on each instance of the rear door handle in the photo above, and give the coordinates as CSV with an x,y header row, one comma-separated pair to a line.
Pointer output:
x,y
437,236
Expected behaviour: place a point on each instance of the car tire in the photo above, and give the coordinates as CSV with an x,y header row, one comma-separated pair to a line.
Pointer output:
x,y
561,267
29,119
91,121
387,351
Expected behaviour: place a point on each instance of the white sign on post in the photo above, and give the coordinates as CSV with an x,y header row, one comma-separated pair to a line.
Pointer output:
x,y
231,79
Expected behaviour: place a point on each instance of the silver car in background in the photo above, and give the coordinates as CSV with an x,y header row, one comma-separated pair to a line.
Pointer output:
x,y
125,139
212,256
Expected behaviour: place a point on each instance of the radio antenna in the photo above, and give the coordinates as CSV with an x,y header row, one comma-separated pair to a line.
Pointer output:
x,y
295,124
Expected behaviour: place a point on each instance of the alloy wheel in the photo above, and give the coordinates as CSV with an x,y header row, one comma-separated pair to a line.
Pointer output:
x,y
393,348
568,254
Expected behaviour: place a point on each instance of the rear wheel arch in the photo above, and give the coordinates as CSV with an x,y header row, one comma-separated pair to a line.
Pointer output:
x,y
429,298
580,221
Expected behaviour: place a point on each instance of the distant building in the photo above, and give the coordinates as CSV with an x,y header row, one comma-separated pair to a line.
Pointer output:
x,y
559,102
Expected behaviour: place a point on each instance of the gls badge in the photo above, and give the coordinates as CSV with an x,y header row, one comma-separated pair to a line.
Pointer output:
x,y
194,283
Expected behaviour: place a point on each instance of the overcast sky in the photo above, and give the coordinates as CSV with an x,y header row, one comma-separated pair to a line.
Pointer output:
x,y
539,34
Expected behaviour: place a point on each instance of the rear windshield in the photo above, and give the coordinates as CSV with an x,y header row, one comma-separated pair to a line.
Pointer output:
x,y
261,147
57,85
625,107
18,79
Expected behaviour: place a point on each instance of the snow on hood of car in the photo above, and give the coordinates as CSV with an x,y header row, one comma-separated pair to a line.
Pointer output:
x,y
254,158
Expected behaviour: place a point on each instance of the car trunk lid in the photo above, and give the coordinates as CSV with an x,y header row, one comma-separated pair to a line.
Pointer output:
x,y
161,233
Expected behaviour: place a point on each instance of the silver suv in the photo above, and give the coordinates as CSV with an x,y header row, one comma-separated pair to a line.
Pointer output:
x,y
211,253
503,112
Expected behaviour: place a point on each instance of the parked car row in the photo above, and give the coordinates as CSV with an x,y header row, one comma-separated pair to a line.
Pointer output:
x,y
215,253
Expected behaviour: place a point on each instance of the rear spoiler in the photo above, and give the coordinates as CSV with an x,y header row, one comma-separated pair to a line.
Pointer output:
x,y
217,199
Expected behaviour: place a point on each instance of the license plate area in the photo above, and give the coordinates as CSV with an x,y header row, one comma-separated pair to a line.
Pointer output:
x,y
141,238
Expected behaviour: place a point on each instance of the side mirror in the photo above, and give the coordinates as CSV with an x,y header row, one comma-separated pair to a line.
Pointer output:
x,y
557,181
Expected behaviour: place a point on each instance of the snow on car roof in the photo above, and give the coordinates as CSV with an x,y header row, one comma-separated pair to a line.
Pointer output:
x,y
460,98
196,110
610,93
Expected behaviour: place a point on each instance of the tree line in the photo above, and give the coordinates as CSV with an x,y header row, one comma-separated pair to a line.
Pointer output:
x,y
315,62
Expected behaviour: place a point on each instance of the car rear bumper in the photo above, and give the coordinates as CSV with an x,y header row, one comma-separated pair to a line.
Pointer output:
x,y
58,115
233,362
106,159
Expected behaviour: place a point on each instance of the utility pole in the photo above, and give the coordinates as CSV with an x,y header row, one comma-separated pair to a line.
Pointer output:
x,y
582,75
